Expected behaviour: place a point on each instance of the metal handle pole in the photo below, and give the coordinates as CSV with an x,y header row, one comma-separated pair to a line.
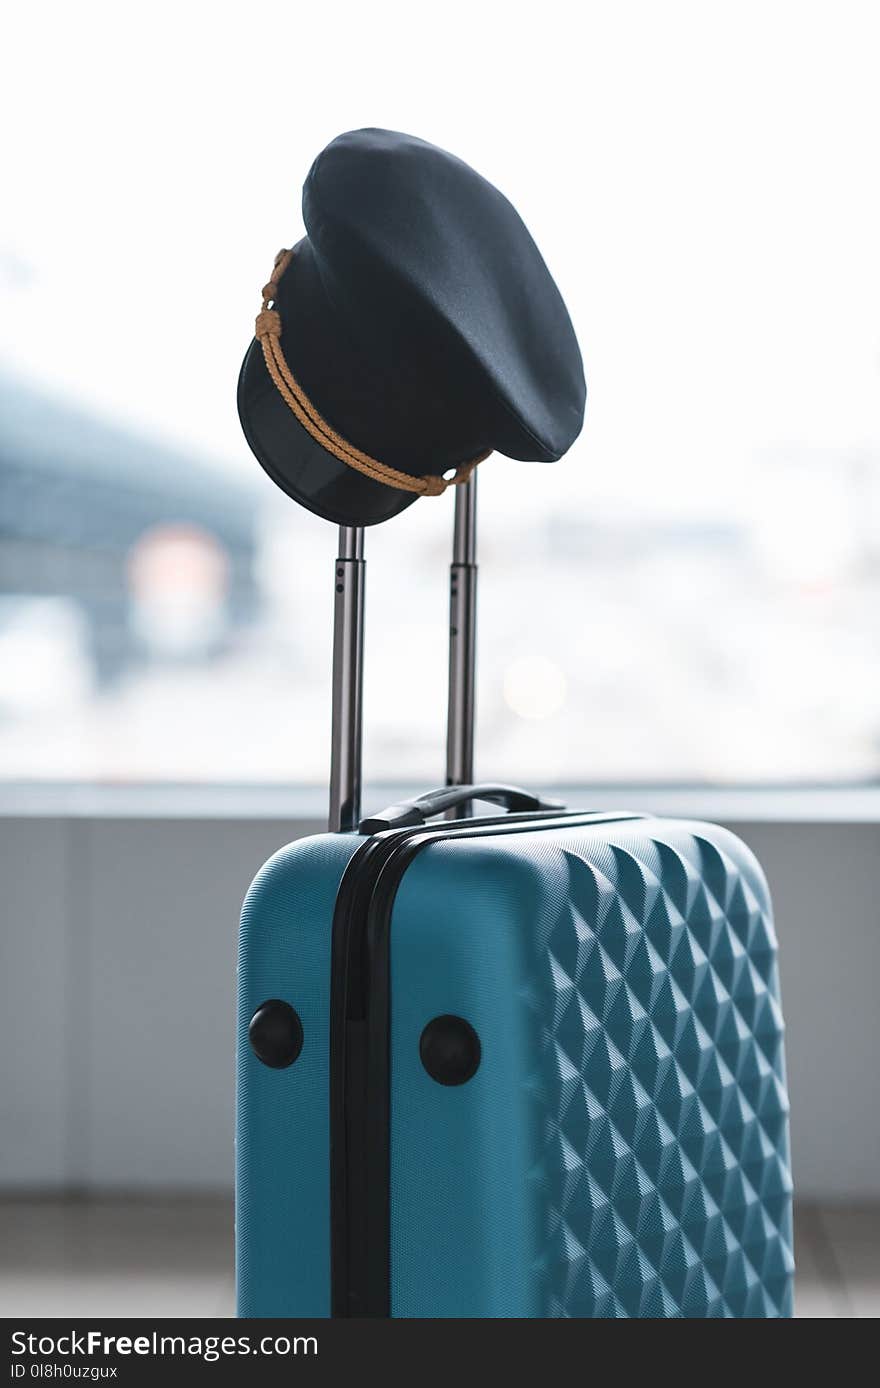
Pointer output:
x,y
348,675
462,641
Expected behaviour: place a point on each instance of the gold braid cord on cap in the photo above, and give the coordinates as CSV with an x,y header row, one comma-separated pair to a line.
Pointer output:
x,y
268,334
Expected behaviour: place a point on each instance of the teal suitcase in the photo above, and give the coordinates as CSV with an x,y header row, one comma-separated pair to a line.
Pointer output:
x,y
512,1065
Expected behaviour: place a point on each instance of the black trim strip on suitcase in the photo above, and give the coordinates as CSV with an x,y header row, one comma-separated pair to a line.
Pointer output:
x,y
360,1060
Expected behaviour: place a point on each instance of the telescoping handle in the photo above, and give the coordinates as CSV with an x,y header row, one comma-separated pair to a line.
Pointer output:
x,y
348,681
348,664
462,638
425,807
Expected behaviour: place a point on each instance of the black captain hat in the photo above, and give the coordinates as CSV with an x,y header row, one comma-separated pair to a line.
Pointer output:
x,y
414,330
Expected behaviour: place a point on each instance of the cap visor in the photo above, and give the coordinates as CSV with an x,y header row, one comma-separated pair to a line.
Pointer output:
x,y
298,464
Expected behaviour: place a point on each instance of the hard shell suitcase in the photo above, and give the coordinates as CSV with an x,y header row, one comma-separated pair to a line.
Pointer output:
x,y
519,1065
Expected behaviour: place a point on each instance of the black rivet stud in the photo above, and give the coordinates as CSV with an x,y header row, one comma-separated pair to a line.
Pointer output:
x,y
450,1050
275,1033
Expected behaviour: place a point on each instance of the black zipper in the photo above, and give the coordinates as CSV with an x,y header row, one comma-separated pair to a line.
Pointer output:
x,y
360,1014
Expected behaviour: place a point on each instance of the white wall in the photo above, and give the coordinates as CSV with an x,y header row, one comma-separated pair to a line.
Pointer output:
x,y
118,976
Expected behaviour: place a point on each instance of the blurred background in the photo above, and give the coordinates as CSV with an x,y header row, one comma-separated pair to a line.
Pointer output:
x,y
681,615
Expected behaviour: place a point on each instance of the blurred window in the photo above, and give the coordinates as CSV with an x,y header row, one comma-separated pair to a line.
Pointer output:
x,y
691,595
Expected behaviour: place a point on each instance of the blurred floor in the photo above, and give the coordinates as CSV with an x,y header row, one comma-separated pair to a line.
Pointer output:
x,y
152,1258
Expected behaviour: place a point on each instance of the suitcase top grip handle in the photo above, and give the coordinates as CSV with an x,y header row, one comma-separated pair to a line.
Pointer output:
x,y
418,811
